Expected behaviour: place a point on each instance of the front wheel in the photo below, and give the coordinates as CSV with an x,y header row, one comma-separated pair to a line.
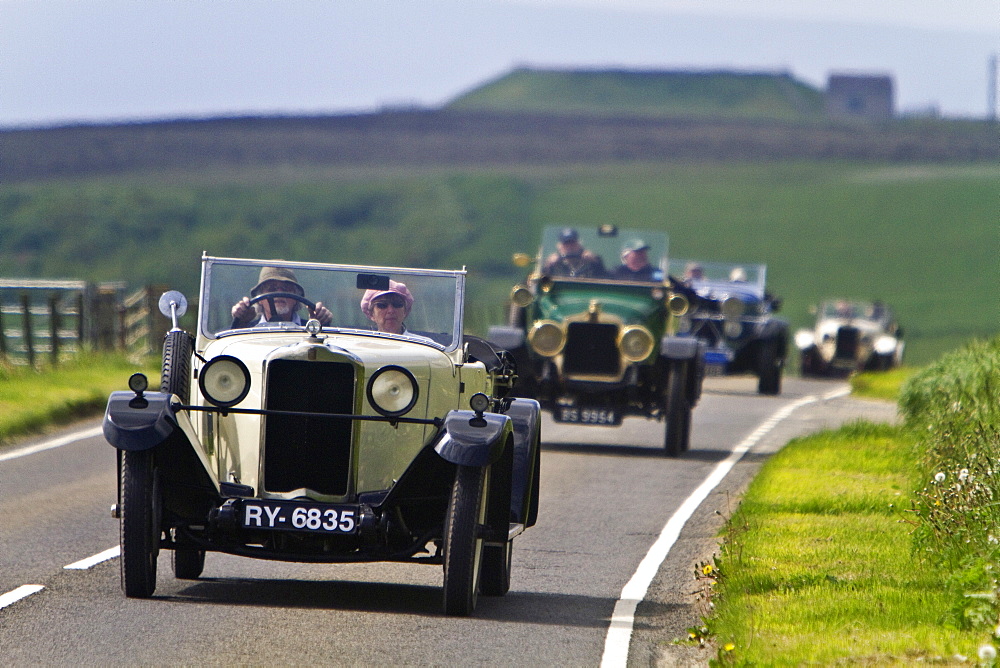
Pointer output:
x,y
769,367
678,410
463,548
495,580
140,523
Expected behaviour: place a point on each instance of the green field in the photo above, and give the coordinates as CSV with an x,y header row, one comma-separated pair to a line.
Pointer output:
x,y
921,237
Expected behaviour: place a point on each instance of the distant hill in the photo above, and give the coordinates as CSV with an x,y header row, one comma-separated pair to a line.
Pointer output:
x,y
652,93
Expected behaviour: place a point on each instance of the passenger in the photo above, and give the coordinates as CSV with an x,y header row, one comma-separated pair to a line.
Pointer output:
x,y
388,308
571,259
635,264
693,272
738,275
276,309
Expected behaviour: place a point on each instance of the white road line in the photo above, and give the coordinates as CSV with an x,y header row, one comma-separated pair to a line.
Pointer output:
x,y
619,636
54,443
16,595
89,562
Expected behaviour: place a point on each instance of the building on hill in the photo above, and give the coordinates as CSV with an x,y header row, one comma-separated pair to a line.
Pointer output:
x,y
861,96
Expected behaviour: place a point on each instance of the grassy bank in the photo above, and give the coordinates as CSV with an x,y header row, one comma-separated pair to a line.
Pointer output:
x,y
32,400
872,544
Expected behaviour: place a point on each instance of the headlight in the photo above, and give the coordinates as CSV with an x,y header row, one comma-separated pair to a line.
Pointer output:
x,y
635,343
224,381
732,329
521,296
885,345
678,304
392,391
138,382
804,338
733,307
547,338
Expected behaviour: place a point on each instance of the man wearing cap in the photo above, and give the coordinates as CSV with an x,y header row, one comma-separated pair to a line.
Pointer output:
x,y
571,259
271,280
635,263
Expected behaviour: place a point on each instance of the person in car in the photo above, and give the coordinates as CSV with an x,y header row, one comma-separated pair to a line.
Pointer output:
x,y
635,264
572,259
388,308
276,279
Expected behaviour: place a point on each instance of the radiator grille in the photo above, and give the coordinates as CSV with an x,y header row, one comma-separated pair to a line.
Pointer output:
x,y
314,453
847,342
591,349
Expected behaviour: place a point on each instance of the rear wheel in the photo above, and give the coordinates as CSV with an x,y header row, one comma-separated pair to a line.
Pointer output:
x,y
140,523
463,548
495,578
188,563
678,410
769,367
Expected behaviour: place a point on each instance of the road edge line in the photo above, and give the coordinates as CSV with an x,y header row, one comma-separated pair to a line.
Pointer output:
x,y
16,595
89,562
53,443
616,644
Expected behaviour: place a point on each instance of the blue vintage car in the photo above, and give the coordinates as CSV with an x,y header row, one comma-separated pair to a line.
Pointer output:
x,y
733,314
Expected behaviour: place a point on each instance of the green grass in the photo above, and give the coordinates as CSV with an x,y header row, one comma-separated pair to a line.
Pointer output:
x,y
818,566
881,384
33,400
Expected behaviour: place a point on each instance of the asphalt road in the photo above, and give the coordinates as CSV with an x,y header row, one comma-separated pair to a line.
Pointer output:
x,y
606,495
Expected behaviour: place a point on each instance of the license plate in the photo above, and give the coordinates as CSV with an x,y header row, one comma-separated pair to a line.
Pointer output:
x,y
297,516
583,415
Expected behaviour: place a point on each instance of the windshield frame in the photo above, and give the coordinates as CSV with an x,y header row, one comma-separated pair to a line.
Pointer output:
x,y
210,333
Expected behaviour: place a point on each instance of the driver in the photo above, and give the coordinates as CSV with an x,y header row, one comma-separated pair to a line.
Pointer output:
x,y
276,309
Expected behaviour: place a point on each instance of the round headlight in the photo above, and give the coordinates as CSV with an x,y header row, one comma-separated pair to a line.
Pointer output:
x,y
733,307
138,382
224,381
635,343
732,329
521,296
678,304
392,391
547,338
479,402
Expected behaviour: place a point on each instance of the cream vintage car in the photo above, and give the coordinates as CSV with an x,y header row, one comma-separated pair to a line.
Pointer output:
x,y
849,336
320,438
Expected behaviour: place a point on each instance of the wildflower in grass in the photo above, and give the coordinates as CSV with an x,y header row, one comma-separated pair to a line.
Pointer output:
x,y
939,477
707,569
729,647
963,475
987,653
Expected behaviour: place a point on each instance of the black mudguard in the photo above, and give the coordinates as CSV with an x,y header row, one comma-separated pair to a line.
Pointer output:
x,y
134,422
470,440
525,414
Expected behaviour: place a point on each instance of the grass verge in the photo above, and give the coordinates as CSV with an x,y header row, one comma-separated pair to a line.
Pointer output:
x,y
818,567
32,400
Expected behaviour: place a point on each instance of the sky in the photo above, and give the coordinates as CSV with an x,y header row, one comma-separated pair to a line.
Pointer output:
x,y
68,61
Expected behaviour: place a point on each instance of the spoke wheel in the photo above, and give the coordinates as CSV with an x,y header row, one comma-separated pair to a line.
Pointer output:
x,y
678,411
140,524
463,548
188,563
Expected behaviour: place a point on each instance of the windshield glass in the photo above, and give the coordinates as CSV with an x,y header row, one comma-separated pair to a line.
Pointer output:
x,y
844,309
699,274
601,252
427,303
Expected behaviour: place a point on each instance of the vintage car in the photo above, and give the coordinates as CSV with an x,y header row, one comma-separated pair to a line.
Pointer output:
x,y
850,336
321,438
733,314
593,346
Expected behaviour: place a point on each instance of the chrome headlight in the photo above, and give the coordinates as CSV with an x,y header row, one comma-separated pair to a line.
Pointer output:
x,y
224,381
635,343
733,307
547,338
521,296
392,391
885,345
678,304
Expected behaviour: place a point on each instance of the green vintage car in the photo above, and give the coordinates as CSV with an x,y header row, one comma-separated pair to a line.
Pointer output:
x,y
592,337
326,413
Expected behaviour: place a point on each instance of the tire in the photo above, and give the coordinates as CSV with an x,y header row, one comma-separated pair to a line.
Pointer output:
x,y
495,577
678,410
140,524
463,548
769,369
175,375
188,563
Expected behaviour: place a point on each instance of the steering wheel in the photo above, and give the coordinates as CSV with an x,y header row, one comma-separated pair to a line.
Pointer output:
x,y
271,296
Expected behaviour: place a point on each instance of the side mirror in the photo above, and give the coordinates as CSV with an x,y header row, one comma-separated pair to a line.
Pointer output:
x,y
173,304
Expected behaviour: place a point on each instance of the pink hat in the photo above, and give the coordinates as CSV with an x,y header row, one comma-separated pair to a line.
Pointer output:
x,y
394,288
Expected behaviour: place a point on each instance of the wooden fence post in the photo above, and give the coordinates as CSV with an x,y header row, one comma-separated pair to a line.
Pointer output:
x,y
26,335
54,328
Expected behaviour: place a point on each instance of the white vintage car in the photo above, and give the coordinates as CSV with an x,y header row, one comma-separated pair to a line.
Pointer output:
x,y
326,413
850,336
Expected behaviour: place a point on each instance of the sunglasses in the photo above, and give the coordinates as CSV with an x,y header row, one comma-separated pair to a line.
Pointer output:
x,y
382,304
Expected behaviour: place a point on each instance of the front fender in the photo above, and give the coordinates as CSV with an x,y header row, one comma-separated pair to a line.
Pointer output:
x,y
468,441
525,414
138,423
